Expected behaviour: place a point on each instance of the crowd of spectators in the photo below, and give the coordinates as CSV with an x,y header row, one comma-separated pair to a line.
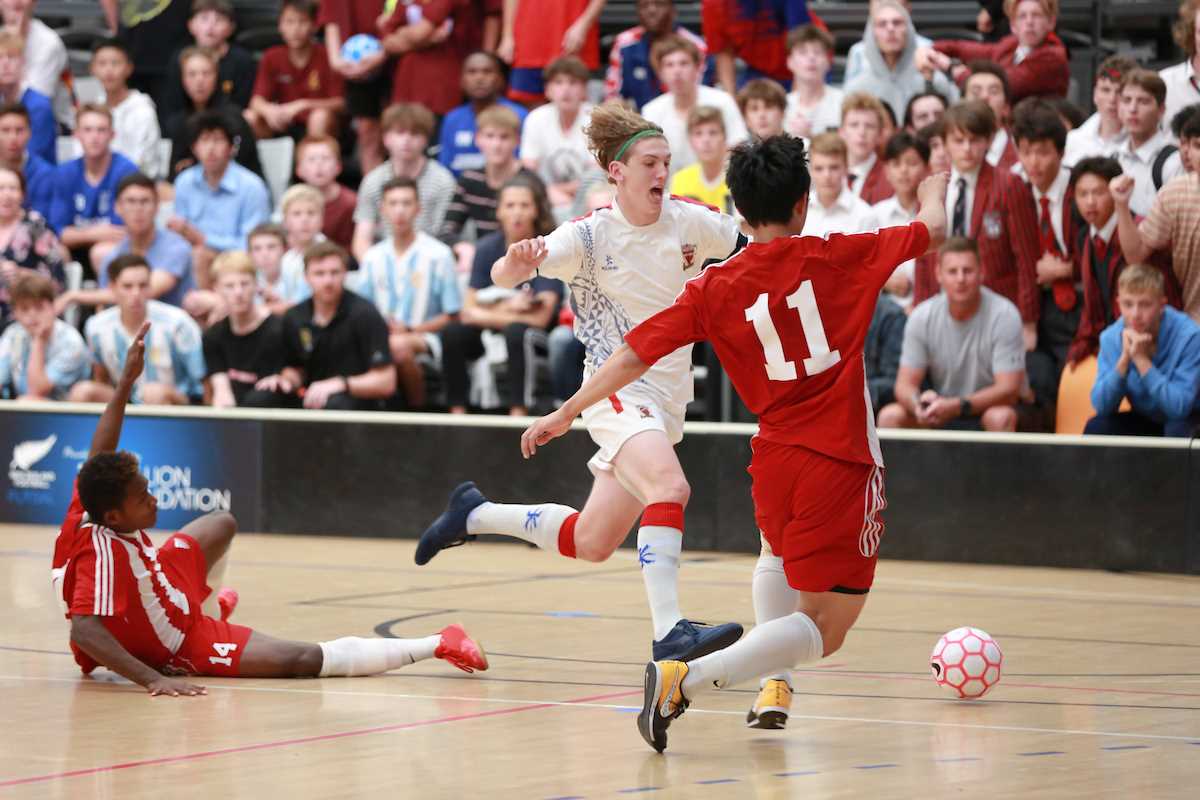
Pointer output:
x,y
1072,274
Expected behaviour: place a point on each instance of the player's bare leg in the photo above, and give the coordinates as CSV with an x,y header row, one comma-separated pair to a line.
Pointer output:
x,y
773,598
816,629
214,532
350,656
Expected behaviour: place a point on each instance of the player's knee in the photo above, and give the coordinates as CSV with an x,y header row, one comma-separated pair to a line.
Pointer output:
x,y
82,392
225,523
892,415
157,394
593,550
1000,418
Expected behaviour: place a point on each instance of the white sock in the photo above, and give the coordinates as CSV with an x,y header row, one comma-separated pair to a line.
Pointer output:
x,y
215,580
781,643
351,655
659,548
773,598
537,524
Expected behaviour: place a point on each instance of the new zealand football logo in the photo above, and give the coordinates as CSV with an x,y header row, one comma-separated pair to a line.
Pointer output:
x,y
645,412
689,255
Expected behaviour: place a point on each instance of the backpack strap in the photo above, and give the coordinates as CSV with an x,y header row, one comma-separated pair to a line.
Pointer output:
x,y
1160,161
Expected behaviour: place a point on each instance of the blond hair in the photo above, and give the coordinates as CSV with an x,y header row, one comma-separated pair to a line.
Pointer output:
x,y
611,127
232,262
500,117
829,144
705,115
1050,7
861,101
94,108
1140,279
302,193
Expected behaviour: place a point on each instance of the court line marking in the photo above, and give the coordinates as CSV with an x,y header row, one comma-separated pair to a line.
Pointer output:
x,y
585,703
528,706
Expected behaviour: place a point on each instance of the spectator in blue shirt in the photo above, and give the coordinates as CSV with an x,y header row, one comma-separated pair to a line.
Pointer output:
x,y
41,111
14,154
630,75
41,357
1151,356
217,202
83,210
483,85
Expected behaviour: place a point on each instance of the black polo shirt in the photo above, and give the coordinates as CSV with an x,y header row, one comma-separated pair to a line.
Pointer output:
x,y
355,340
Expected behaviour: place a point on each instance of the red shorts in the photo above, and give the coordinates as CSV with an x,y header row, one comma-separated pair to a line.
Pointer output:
x,y
821,515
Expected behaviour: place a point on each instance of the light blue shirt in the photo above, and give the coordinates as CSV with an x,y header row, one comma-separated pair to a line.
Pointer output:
x,y
1168,390
414,287
174,349
227,214
170,253
67,360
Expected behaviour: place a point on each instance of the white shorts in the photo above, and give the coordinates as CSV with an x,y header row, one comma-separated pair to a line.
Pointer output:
x,y
614,421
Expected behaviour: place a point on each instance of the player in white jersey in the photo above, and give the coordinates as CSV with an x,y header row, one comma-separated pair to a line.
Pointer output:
x,y
623,264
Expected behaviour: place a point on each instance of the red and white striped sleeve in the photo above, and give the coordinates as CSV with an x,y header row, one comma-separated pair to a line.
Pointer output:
x,y
94,590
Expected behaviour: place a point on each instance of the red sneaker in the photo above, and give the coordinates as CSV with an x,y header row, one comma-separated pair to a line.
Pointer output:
x,y
461,650
227,599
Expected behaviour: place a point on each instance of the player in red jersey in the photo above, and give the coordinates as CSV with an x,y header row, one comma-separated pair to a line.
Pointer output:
x,y
787,316
139,609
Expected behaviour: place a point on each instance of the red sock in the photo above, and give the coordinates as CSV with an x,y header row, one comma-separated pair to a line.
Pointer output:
x,y
566,536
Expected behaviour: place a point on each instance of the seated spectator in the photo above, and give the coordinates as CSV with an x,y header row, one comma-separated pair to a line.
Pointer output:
x,y
407,128
247,346
14,154
174,371
200,85
338,350
863,122
1148,155
753,33
1032,56
217,202
934,135
524,212
1177,125
167,253
566,354
881,351
303,208
474,201
134,118
27,243
832,207
45,56
268,243
1101,258
82,212
630,75
677,62
705,180
552,140
428,55
906,159
856,57
965,344
42,125
1150,357
410,277
368,81
987,82
994,209
483,86
1102,134
211,25
1180,79
41,357
318,163
296,92
813,105
889,70
763,103
924,109
536,32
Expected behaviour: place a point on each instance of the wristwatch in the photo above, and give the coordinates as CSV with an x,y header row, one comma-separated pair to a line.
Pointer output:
x,y
964,407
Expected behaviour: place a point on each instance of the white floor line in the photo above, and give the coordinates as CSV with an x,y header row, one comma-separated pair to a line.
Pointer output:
x,y
632,691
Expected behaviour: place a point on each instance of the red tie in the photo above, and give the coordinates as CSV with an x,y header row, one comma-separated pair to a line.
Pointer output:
x,y
1099,247
1064,291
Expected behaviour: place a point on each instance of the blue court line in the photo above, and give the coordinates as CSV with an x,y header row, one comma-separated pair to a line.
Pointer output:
x,y
796,774
627,710
876,766
639,789
571,614
1044,753
957,760
716,781
1128,747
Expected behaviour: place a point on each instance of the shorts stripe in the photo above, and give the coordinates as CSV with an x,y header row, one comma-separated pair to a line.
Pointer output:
x,y
874,503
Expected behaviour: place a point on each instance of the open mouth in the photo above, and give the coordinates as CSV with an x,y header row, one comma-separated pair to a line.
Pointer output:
x,y
656,192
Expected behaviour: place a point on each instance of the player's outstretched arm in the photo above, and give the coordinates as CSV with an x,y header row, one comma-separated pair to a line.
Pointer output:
x,y
90,635
931,196
622,369
520,262
108,429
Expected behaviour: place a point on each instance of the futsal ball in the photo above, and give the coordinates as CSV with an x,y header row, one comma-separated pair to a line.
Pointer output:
x,y
359,46
966,662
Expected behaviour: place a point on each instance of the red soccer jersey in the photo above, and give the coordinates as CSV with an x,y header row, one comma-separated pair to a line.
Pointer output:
x,y
118,578
788,320
538,31
281,81
351,16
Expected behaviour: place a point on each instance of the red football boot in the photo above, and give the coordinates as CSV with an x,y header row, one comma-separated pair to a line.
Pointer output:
x,y
227,599
461,650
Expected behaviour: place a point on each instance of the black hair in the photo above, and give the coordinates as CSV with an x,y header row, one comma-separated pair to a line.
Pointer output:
x,y
202,122
1035,120
103,482
14,108
908,110
135,179
112,43
904,141
985,67
1100,166
1182,118
306,7
768,178
1073,114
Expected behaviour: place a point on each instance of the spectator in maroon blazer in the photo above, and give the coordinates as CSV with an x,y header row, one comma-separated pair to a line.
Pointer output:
x,y
1032,55
988,82
864,121
992,207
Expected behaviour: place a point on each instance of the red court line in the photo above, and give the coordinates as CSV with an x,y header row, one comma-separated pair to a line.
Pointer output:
x,y
307,739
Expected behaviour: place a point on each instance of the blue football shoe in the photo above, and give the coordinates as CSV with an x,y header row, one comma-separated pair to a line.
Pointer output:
x,y
689,640
450,529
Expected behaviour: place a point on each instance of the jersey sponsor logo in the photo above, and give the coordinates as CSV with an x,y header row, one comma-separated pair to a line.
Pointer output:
x,y
25,457
645,412
689,255
609,264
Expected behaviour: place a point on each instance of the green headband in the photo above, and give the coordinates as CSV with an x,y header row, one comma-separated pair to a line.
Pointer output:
x,y
634,138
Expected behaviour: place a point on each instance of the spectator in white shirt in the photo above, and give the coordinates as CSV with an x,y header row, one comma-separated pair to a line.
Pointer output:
x,y
552,140
1148,156
45,56
813,106
763,103
832,207
679,64
135,120
1102,134
1181,80
906,161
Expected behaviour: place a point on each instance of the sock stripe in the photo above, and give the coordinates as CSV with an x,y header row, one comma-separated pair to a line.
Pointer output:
x,y
665,515
566,536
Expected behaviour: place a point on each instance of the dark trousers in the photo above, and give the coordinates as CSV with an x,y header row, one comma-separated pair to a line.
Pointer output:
x,y
255,398
344,401
462,344
1131,423
1044,366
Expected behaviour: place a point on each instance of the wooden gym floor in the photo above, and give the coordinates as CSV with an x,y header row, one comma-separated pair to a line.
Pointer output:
x,y
1100,695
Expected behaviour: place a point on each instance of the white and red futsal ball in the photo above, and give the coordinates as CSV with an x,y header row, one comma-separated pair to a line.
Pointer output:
x,y
966,662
